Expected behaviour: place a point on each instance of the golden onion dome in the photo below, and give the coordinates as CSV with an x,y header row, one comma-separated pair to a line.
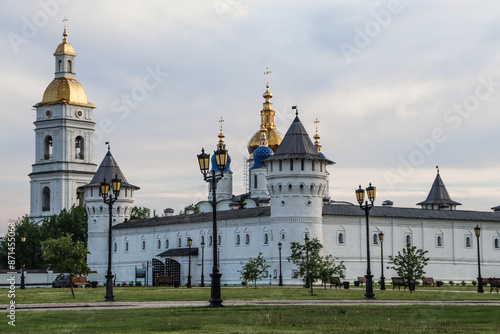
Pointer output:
x,y
274,138
65,48
65,90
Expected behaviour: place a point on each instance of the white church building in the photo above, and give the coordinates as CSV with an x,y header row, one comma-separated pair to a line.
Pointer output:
x,y
288,199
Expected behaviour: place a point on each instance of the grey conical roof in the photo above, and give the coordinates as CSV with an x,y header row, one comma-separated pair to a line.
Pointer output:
x,y
108,169
297,145
438,194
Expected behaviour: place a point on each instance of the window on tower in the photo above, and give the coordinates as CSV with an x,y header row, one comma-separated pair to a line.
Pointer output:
x,y
79,147
59,66
47,148
70,69
46,199
255,181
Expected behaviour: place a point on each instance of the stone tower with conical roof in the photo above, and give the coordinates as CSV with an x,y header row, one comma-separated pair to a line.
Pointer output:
x,y
296,179
64,137
438,198
98,214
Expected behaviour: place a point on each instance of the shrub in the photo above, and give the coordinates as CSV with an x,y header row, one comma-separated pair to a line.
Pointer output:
x,y
138,283
244,283
463,283
131,283
474,283
451,283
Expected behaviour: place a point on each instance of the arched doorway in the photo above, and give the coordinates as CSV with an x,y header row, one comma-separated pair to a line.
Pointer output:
x,y
169,268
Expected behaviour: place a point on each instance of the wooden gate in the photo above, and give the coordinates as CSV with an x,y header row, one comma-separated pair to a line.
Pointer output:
x,y
170,268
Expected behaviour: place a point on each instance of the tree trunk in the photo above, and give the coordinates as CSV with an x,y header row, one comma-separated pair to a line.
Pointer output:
x,y
71,284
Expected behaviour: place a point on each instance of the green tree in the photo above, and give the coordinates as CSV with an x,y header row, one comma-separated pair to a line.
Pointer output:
x,y
329,269
254,269
27,253
409,265
66,255
308,260
138,212
73,221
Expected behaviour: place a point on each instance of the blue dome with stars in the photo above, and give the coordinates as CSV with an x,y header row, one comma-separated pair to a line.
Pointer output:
x,y
261,154
216,169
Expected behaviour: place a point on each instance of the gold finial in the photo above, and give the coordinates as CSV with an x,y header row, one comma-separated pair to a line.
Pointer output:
x,y
267,72
263,137
317,137
221,134
65,34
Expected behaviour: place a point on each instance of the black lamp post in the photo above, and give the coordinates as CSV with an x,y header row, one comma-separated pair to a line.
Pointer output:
x,y
23,240
109,200
202,263
477,231
360,196
308,281
190,242
382,278
221,161
280,245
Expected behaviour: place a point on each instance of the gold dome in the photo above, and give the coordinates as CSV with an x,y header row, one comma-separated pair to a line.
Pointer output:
x,y
274,138
65,90
65,48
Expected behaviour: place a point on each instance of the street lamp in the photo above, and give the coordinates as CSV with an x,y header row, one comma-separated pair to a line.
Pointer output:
x,y
190,242
306,240
23,240
382,278
477,231
360,196
204,162
280,245
108,198
202,263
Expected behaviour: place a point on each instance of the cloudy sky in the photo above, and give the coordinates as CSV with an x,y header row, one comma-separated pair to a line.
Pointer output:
x,y
398,86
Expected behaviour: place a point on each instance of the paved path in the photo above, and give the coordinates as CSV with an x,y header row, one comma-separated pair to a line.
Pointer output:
x,y
138,305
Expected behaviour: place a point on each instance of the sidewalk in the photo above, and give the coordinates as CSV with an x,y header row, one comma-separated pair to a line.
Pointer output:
x,y
166,304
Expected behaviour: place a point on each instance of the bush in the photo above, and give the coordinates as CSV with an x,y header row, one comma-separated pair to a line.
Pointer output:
x,y
131,283
417,283
244,283
463,283
451,283
474,283
138,283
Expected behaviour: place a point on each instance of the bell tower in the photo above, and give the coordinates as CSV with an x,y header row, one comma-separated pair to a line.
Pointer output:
x,y
64,133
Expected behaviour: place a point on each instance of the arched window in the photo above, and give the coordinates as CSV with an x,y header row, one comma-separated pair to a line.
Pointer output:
x,y
46,199
341,238
291,164
301,189
126,246
255,181
79,147
375,239
439,241
247,239
272,166
266,239
202,239
210,240
166,244
313,164
467,242
59,66
179,242
408,240
93,211
70,69
115,247
281,165
321,166
238,239
302,164
47,152
219,239
496,243
289,189
118,211
159,244
143,244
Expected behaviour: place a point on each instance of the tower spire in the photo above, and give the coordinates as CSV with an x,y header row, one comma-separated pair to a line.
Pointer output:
x,y
221,134
317,137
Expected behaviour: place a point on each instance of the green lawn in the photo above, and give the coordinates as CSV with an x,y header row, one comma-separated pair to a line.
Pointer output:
x,y
265,319
124,294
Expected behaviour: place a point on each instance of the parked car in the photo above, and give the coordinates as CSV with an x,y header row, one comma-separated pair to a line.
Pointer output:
x,y
61,281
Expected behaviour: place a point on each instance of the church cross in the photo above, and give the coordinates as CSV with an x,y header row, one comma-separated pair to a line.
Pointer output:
x,y
267,72
316,122
221,121
65,20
